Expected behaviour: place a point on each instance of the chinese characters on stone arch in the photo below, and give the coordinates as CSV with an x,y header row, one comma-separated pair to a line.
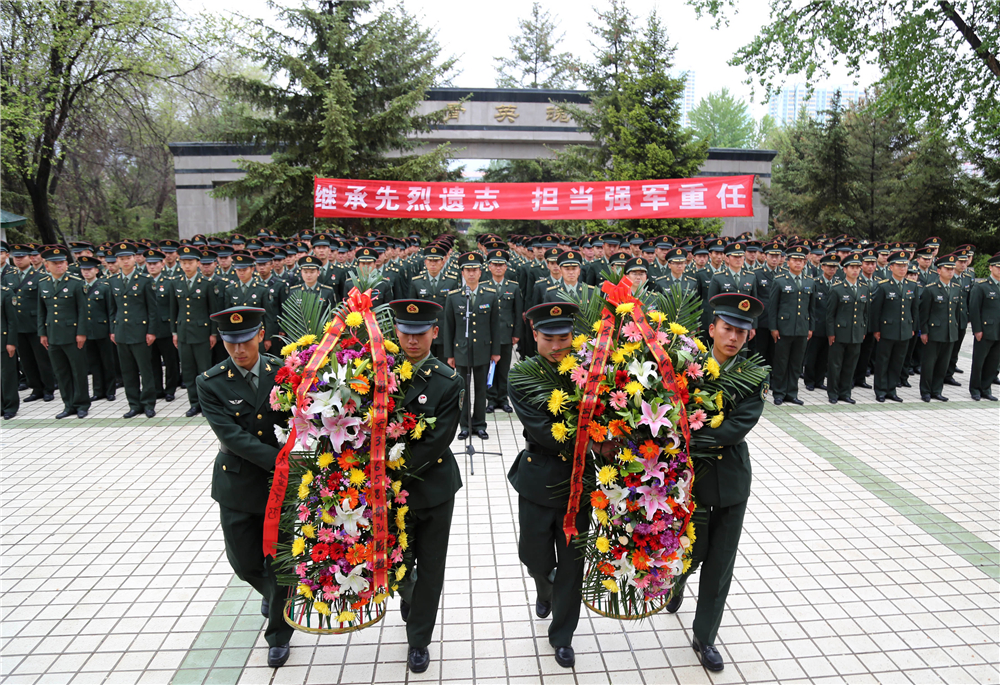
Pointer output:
x,y
707,197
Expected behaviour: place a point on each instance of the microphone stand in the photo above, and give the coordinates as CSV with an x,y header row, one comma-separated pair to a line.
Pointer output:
x,y
470,450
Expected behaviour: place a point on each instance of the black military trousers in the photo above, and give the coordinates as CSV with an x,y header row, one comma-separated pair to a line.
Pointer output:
x,y
817,355
985,365
195,358
715,547
864,358
556,568
428,531
933,366
137,376
35,363
890,355
955,349
10,401
789,351
166,370
763,344
497,394
69,363
843,358
477,374
100,359
243,533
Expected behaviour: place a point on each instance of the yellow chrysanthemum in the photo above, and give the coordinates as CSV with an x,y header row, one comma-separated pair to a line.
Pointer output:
x,y
618,356
354,319
324,361
390,346
327,519
401,517
690,532
309,530
624,308
345,617
712,368
369,417
418,431
307,477
700,345
597,326
627,455
579,341
656,317
567,364
678,329
630,348
288,349
611,585
403,541
324,460
397,485
307,339
633,387
305,591
401,572
380,597
357,476
687,565
716,420
327,327
602,544
560,431
322,607
298,547
405,370
303,491
557,399
602,516
718,399
607,475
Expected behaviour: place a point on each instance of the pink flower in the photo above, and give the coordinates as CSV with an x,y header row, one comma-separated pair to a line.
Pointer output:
x,y
392,385
339,430
395,430
300,570
303,512
272,399
653,499
618,399
326,535
694,370
655,418
697,419
662,339
401,497
632,332
579,375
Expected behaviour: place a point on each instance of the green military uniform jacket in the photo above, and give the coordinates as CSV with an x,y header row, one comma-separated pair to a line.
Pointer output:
x,y
436,390
235,294
100,309
965,281
554,293
724,281
511,310
687,283
847,312
163,291
62,309
940,308
191,309
382,293
244,422
984,309
765,281
790,308
135,309
894,309
484,327
24,297
539,288
8,320
421,288
821,298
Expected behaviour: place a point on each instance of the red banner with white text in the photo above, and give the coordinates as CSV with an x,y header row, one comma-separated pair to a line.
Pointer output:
x,y
694,198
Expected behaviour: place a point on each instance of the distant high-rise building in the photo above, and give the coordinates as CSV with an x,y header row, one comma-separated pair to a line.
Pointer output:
x,y
785,106
688,101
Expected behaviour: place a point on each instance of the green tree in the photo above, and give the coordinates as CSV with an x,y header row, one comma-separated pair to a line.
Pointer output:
x,y
931,201
534,61
523,171
937,57
62,61
344,81
764,132
723,121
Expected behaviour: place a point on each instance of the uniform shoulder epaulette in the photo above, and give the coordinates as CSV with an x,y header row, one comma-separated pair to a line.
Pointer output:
x,y
74,276
883,280
442,369
297,286
44,278
456,291
980,280
215,370
552,287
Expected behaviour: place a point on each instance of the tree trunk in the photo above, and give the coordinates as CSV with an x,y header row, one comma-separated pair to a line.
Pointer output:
x,y
37,191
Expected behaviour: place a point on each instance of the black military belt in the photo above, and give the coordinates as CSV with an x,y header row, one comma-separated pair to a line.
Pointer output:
x,y
225,450
535,448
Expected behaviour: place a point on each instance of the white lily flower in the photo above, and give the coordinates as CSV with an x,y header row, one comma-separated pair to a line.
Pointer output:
x,y
353,581
350,519
623,568
644,372
617,497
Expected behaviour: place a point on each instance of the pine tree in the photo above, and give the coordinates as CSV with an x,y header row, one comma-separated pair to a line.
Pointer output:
x,y
534,62
723,121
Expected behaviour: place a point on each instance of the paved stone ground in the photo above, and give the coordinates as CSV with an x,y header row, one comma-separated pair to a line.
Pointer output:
x,y
870,554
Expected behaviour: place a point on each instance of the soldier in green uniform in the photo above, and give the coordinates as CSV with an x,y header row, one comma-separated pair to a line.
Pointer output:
x,y
731,279
818,347
677,279
310,289
432,284
539,475
366,259
233,397
62,330
846,326
963,279
894,315
100,315
163,351
867,279
436,390
940,308
766,273
10,401
33,357
570,263
245,289
725,490
134,331
511,326
984,313
790,313
475,308
193,331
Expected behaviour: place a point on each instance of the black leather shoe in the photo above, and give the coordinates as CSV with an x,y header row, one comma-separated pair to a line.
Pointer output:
x,y
265,608
490,408
418,659
916,370
675,602
833,401
483,434
848,400
404,610
32,397
111,397
864,385
192,411
810,388
957,370
277,656
48,398
939,397
150,413
925,398
894,397
778,401
462,435
990,397
951,381
63,414
820,386
169,398
976,398
905,383
21,387
708,655
880,399
794,400
507,408
565,657
81,413
130,413
94,398
542,609
8,415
